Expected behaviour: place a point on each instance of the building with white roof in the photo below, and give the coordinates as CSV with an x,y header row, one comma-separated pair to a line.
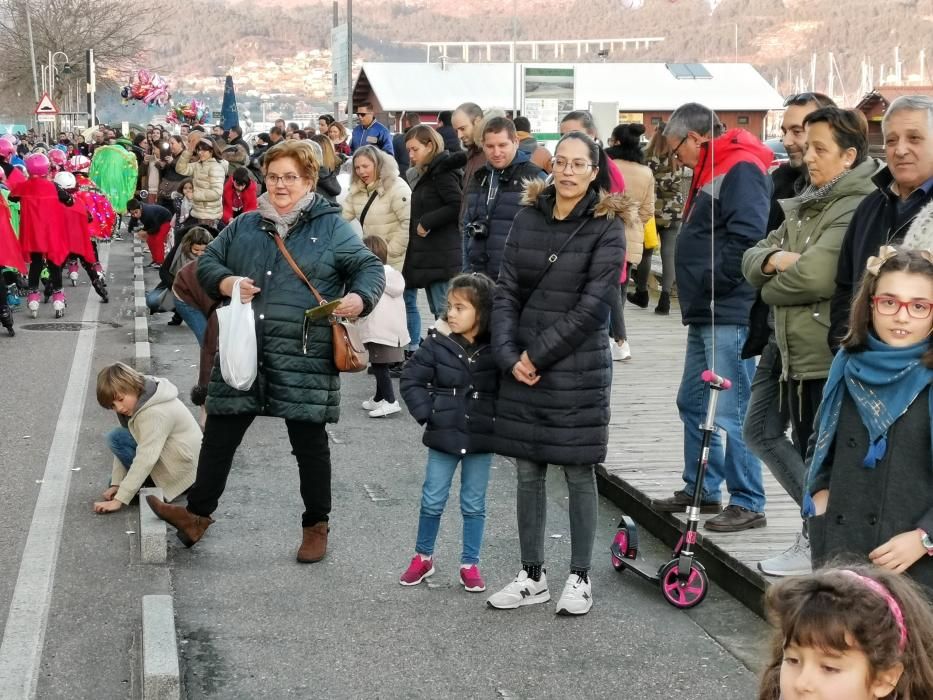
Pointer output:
x,y
645,92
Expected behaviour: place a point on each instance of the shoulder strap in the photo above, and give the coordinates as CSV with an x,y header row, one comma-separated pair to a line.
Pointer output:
x,y
552,258
291,261
369,203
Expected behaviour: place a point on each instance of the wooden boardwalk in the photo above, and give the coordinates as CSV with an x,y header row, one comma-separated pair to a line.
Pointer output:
x,y
645,459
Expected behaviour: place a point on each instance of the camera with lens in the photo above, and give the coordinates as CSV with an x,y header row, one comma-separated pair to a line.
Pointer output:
x,y
477,229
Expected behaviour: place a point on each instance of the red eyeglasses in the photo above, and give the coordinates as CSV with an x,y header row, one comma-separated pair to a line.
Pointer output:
x,y
891,306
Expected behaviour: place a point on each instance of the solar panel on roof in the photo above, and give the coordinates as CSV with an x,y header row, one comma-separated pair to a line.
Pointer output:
x,y
698,70
679,71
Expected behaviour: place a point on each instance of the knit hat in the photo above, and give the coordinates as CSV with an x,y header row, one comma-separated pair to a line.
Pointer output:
x,y
920,234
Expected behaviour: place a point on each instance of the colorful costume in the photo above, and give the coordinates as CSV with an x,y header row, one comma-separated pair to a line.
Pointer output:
x,y
114,171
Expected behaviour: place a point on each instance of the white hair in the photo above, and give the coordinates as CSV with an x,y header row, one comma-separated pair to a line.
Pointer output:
x,y
913,103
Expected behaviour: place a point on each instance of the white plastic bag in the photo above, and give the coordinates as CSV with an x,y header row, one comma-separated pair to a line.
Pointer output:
x,y
237,341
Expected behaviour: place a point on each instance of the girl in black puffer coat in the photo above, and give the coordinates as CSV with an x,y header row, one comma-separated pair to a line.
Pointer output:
x,y
449,386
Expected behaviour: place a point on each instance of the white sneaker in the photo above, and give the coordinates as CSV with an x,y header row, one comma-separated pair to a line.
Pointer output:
x,y
625,352
577,597
385,409
794,561
371,404
522,591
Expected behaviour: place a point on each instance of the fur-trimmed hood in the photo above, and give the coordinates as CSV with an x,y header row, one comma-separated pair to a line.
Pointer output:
x,y
920,234
540,194
388,174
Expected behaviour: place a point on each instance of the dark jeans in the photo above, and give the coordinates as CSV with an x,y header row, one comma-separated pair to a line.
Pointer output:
x,y
803,399
222,436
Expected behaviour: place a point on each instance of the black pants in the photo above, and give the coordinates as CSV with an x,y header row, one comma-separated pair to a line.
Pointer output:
x,y
222,437
803,401
384,389
36,263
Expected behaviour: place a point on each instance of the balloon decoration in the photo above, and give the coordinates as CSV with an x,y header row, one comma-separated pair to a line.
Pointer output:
x,y
195,112
147,87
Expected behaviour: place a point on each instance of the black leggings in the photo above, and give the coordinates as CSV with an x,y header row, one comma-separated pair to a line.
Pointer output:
x,y
37,261
385,391
222,437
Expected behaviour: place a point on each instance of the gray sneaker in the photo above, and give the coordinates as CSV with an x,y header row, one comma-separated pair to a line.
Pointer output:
x,y
795,561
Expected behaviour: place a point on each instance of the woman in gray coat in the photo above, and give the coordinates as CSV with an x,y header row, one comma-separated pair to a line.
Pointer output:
x,y
297,379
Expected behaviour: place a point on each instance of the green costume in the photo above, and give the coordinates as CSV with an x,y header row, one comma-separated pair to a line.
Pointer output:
x,y
113,170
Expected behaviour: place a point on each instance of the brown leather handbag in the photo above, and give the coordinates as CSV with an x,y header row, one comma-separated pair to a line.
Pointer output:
x,y
350,354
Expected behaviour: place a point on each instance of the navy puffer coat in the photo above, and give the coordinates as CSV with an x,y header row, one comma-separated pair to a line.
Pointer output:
x,y
452,392
564,418
290,384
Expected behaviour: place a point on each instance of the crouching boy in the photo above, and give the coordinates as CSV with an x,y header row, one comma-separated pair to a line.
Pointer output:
x,y
158,438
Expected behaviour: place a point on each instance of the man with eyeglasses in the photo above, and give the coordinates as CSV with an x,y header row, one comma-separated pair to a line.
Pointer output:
x,y
370,132
725,214
886,216
493,196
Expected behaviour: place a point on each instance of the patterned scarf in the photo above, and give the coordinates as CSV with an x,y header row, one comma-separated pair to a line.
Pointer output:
x,y
883,382
812,193
283,222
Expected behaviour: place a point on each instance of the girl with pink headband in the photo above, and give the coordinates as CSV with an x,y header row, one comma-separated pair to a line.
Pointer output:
x,y
860,633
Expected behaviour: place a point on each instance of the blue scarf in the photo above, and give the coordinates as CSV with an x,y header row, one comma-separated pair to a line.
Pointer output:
x,y
883,381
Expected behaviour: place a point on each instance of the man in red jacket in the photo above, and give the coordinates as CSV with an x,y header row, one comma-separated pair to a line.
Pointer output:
x,y
240,195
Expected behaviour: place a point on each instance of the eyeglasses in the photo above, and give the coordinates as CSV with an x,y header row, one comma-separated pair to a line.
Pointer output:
x,y
578,166
675,153
805,98
891,306
289,179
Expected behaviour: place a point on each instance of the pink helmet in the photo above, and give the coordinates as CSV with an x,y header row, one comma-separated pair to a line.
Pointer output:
x,y
77,164
7,149
37,165
58,157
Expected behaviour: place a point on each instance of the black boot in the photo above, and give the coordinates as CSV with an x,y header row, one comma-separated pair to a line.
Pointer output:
x,y
6,318
639,298
101,289
176,320
664,304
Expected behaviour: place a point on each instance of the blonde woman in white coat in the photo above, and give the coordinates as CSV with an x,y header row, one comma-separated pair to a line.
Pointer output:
x,y
385,333
200,162
376,179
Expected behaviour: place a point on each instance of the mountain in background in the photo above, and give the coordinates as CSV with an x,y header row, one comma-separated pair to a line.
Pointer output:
x,y
778,37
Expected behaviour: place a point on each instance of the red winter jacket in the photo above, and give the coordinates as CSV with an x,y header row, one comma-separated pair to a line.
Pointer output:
x,y
238,202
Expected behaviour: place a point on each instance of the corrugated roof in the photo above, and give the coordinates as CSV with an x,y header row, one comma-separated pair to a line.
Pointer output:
x,y
635,86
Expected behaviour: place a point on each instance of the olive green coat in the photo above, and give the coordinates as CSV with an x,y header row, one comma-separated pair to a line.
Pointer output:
x,y
800,295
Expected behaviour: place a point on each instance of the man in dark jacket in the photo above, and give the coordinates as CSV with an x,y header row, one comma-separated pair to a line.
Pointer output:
x,y
155,222
409,119
447,131
539,155
235,138
726,213
884,217
467,120
493,197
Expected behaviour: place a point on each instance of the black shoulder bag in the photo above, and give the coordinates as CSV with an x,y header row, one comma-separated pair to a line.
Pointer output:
x,y
369,203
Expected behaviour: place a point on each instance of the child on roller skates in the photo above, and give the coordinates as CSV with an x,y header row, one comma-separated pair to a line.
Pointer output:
x,y
158,438
450,386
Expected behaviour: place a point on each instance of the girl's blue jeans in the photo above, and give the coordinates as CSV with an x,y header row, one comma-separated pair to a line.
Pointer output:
x,y
474,477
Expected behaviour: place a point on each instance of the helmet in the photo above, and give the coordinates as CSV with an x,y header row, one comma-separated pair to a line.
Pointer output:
x,y
9,137
65,180
58,157
76,164
7,149
37,165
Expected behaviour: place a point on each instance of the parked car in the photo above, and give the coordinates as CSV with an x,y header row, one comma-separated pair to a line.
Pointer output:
x,y
780,153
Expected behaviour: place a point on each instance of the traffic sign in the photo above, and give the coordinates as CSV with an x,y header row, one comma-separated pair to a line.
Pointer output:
x,y
45,118
46,106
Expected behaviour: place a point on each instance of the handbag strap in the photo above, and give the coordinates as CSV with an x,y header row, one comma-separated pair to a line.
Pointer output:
x,y
552,258
291,261
369,203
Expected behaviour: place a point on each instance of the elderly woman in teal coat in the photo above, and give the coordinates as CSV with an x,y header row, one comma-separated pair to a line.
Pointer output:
x,y
296,379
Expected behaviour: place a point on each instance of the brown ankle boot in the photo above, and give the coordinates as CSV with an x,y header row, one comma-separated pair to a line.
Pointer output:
x,y
191,527
313,543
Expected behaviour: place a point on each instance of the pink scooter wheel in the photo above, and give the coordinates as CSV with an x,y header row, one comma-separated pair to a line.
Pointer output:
x,y
684,595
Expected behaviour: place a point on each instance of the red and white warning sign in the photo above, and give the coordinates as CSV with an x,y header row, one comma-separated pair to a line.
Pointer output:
x,y
46,109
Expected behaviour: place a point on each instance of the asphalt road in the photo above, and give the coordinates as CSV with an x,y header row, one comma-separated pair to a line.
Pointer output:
x,y
252,623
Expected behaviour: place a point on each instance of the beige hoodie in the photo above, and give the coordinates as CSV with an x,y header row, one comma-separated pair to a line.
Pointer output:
x,y
168,441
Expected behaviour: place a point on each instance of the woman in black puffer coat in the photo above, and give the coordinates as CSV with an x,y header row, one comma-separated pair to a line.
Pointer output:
x,y
434,250
549,335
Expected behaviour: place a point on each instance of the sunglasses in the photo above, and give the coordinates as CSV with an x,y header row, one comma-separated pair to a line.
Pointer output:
x,y
805,98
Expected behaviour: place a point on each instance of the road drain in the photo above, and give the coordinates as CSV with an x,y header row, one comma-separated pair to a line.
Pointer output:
x,y
57,326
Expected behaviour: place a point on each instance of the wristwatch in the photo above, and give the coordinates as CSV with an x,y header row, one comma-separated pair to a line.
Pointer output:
x,y
926,541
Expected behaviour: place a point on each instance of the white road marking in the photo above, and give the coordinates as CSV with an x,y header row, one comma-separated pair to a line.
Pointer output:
x,y
24,635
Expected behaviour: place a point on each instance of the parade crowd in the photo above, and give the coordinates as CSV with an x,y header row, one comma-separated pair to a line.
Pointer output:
x,y
809,286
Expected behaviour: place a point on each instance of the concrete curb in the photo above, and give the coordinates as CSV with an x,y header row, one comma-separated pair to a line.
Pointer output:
x,y
153,547
141,326
737,578
161,672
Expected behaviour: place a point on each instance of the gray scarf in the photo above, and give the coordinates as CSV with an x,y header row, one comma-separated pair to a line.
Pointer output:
x,y
812,193
283,222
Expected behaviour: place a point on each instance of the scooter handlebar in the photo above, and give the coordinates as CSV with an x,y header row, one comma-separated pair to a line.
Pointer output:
x,y
711,377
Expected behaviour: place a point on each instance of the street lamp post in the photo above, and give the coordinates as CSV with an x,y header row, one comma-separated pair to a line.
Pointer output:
x,y
66,70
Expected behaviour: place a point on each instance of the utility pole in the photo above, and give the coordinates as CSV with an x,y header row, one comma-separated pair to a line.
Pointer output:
x,y
334,76
350,62
91,88
32,58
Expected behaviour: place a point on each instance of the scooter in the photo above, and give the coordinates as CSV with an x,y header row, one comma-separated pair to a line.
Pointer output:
x,y
683,580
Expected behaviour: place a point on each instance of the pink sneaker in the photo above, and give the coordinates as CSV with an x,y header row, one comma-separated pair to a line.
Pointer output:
x,y
417,571
472,579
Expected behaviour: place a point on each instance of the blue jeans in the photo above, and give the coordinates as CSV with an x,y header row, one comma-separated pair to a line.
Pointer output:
x,y
439,473
733,463
123,446
437,302
194,317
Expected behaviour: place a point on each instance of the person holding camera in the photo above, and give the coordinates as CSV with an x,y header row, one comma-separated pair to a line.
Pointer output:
x,y
169,179
493,196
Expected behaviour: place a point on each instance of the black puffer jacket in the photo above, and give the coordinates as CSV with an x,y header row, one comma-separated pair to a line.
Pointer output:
x,y
435,204
564,418
485,254
452,390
